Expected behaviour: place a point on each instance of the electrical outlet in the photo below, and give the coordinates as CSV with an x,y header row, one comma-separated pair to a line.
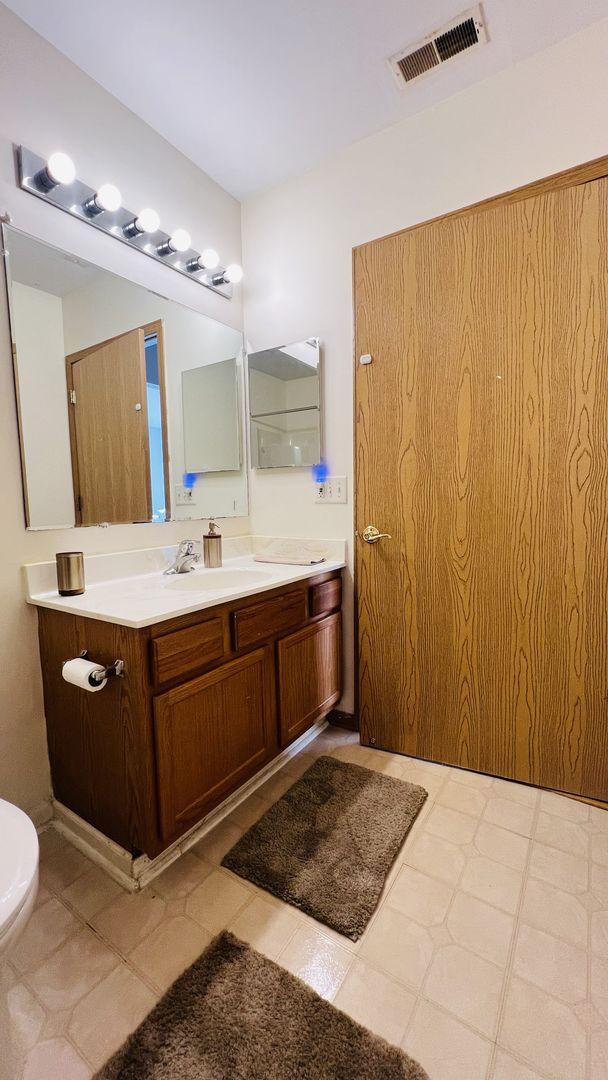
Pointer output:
x,y
184,496
332,490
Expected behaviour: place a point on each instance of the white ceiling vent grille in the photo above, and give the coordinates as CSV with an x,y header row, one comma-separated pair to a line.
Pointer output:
x,y
457,36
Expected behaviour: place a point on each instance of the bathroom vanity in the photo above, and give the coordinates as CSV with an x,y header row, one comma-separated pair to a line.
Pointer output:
x,y
144,421
209,696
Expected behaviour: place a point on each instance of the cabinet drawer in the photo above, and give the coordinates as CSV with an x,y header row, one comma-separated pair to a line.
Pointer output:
x,y
326,597
185,651
264,620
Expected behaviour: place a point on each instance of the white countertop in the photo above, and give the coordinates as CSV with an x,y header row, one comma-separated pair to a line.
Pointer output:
x,y
119,594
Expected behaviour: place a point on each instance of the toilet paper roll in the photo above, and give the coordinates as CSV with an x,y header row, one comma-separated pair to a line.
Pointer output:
x,y
78,672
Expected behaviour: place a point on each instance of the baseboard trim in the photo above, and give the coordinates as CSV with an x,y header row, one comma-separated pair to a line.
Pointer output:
x,y
601,804
135,873
344,720
41,814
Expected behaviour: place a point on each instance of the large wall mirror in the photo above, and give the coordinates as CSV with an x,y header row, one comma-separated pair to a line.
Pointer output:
x,y
285,405
130,405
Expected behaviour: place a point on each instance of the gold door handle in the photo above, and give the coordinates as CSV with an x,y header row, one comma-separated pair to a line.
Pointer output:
x,y
371,535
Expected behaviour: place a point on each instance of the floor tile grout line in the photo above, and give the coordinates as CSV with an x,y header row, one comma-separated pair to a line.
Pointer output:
x,y
516,928
422,1000
107,942
80,1052
455,889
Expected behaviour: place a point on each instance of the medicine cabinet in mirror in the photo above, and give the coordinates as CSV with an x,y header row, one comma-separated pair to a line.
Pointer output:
x,y
285,405
130,405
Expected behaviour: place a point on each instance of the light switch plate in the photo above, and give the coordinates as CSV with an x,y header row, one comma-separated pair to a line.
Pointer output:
x,y
332,490
184,496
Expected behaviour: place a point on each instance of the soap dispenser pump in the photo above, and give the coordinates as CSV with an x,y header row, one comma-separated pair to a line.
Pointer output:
x,y
212,545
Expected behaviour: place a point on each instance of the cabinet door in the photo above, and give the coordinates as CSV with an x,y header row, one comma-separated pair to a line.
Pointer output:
x,y
211,735
310,675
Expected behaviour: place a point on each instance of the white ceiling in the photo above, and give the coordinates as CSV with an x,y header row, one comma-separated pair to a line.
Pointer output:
x,y
254,91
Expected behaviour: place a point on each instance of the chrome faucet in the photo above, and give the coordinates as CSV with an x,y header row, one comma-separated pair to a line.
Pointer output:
x,y
186,558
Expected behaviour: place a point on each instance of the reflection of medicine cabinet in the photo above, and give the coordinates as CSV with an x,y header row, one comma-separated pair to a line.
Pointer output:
x,y
285,406
211,418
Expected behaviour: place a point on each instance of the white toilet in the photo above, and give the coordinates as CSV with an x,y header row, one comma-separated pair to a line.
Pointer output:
x,y
18,888
18,872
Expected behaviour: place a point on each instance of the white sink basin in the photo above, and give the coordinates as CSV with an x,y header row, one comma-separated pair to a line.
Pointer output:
x,y
214,580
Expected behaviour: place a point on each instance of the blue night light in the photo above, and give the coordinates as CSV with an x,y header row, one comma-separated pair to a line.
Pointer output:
x,y
320,472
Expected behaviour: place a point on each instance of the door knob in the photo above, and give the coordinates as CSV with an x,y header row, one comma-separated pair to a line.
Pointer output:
x,y
371,535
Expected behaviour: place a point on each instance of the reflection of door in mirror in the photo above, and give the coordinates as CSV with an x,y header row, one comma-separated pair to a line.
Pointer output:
x,y
115,458
211,418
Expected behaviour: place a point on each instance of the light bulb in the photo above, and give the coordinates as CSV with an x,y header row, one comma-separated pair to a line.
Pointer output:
x,y
180,240
108,198
147,221
61,168
209,259
233,273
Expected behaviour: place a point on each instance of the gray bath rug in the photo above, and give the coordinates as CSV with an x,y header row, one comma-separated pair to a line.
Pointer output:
x,y
328,844
234,1015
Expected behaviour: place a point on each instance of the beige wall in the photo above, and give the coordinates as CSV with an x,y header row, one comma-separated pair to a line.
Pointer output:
x,y
47,103
38,328
543,115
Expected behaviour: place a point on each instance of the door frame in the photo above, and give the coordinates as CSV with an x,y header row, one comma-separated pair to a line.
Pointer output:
x,y
155,327
575,175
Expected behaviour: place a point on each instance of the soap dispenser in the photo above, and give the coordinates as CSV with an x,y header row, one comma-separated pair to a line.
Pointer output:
x,y
212,545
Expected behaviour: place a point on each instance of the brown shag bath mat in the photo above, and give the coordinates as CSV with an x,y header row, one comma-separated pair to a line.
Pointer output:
x,y
234,1015
328,844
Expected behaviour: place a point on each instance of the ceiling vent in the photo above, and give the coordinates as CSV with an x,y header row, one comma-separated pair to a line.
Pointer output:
x,y
457,36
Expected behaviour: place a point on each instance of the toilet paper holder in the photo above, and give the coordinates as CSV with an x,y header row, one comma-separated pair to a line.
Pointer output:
x,y
117,668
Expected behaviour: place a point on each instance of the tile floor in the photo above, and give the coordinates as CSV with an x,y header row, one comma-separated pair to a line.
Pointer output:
x,y
487,958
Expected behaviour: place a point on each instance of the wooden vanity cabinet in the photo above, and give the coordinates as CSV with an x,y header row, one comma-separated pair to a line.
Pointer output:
x,y
206,701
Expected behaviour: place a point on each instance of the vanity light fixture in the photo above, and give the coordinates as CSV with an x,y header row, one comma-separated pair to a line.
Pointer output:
x,y
178,241
231,275
54,181
108,198
207,260
59,169
147,221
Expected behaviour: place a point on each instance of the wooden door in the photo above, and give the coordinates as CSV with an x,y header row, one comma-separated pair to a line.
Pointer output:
x,y
310,675
482,448
109,431
212,734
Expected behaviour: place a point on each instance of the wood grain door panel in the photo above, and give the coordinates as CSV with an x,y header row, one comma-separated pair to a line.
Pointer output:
x,y
109,431
309,674
211,735
482,447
